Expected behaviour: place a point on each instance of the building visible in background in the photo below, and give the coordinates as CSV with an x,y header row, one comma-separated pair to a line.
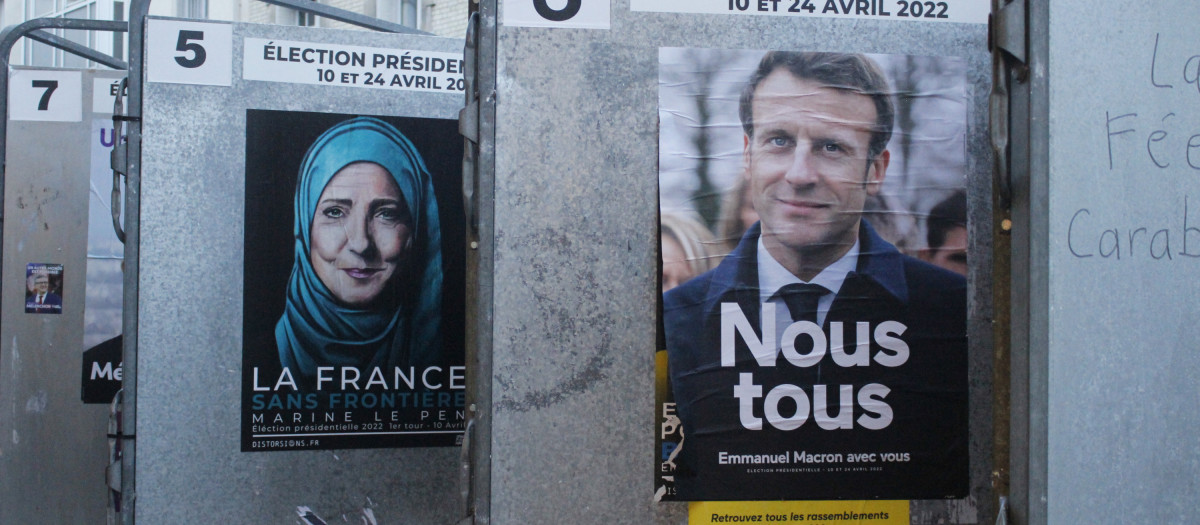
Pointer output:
x,y
441,17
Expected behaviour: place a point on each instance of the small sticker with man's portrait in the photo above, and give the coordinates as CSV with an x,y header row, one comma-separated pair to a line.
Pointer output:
x,y
43,288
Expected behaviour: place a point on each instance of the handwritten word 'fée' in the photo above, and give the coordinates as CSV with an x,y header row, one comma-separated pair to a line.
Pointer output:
x,y
1163,148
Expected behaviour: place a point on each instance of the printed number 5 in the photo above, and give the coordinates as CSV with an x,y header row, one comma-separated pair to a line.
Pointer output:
x,y
557,15
49,86
198,54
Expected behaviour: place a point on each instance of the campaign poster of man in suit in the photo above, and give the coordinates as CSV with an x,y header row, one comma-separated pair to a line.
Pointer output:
x,y
809,356
43,288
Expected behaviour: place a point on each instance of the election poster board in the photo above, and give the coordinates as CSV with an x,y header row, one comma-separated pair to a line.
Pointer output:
x,y
354,282
51,319
813,250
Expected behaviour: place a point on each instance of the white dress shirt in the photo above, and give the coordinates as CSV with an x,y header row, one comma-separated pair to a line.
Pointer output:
x,y
772,276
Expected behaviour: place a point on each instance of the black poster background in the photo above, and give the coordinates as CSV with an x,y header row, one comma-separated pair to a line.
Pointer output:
x,y
275,145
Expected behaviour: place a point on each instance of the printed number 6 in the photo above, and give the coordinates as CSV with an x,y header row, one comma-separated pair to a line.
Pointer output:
x,y
553,15
49,86
198,53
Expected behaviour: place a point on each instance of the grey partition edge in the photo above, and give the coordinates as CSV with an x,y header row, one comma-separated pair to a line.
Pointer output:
x,y
1105,255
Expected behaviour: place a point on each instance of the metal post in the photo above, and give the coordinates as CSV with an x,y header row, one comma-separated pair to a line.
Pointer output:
x,y
138,10
348,17
480,261
475,123
83,51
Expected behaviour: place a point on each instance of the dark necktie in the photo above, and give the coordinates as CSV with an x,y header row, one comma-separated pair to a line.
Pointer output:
x,y
802,300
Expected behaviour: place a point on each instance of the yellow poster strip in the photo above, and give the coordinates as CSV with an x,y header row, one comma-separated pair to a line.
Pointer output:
x,y
808,512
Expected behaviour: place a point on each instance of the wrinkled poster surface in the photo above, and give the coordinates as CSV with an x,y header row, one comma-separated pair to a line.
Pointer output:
x,y
813,226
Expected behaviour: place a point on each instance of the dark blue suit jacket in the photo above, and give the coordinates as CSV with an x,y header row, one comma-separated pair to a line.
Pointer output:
x,y
927,394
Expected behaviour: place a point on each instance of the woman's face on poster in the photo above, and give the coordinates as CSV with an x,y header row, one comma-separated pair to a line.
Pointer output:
x,y
361,233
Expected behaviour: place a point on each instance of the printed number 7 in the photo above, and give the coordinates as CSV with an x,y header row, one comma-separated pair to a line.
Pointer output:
x,y
50,86
198,53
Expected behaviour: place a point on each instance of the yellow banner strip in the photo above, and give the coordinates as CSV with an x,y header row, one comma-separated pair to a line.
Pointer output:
x,y
873,512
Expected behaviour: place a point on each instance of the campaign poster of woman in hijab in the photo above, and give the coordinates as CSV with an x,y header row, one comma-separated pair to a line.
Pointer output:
x,y
354,282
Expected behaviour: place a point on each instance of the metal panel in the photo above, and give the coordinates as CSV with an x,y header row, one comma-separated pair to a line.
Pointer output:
x,y
190,314
54,450
1113,335
575,254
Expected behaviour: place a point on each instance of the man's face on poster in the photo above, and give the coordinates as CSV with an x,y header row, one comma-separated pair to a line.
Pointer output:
x,y
809,167
41,284
952,254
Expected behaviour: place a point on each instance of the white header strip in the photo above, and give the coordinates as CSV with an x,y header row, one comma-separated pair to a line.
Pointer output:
x,y
355,66
961,11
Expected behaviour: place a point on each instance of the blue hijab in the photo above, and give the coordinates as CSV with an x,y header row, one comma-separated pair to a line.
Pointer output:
x,y
405,331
